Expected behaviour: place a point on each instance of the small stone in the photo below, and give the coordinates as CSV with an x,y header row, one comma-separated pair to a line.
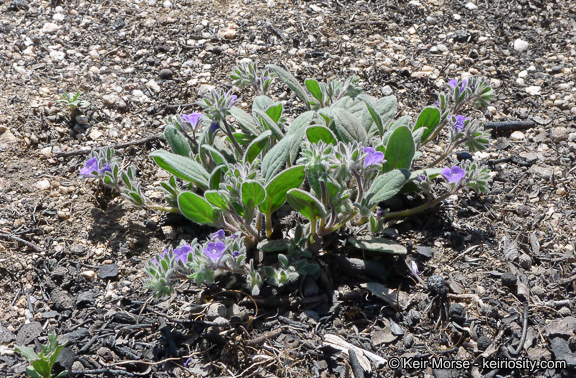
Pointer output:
x,y
94,54
58,17
533,90
153,86
457,313
565,311
525,261
517,135
509,280
108,271
169,232
6,336
205,89
471,6
46,151
220,321
109,100
215,310
63,214
50,28
90,275
85,299
165,74
57,55
483,343
74,336
95,134
42,185
167,4
437,285
227,34
559,134
520,45
28,332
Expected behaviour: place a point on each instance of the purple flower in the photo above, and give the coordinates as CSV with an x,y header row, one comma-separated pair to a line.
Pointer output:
x,y
92,166
374,157
219,235
454,83
414,269
182,253
155,261
233,100
193,119
421,178
236,254
454,174
459,122
214,126
214,250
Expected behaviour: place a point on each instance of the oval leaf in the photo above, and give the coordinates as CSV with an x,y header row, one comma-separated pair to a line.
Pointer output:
x,y
253,194
305,204
320,133
387,185
278,187
182,167
375,244
429,118
291,81
348,127
197,209
256,146
275,158
245,120
178,142
400,150
217,199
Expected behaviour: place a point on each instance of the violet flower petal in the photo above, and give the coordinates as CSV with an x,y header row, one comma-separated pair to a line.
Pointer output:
x,y
182,253
454,174
218,235
214,250
193,119
374,157
91,166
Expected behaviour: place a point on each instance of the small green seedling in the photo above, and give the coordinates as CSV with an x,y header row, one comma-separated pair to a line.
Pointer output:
x,y
41,364
73,101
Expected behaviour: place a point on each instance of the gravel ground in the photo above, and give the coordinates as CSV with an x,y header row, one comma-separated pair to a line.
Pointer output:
x,y
507,257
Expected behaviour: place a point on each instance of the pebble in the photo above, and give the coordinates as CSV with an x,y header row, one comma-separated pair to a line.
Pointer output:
x,y
58,17
471,6
520,45
517,135
167,4
205,89
57,55
559,134
169,232
43,185
227,34
533,90
94,54
215,310
50,28
166,74
153,86
95,134
46,151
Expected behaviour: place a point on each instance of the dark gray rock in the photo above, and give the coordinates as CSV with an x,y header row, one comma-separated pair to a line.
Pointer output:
x,y
61,300
74,336
6,336
85,299
108,271
561,350
28,332
166,74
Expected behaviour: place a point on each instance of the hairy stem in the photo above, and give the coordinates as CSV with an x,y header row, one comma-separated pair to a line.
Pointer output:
x,y
231,136
419,209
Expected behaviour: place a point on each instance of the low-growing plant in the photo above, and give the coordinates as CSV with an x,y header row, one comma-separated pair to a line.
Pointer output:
x,y
41,364
73,102
335,164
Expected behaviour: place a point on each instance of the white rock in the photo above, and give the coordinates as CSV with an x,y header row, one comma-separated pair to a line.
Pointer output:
x,y
520,81
496,83
42,185
137,93
517,135
457,17
50,28
151,2
109,100
471,6
533,90
58,17
442,47
167,4
95,134
153,85
523,73
227,34
46,151
57,55
520,45
205,89
415,3
94,54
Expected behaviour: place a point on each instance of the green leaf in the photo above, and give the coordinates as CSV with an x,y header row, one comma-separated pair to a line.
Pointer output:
x,y
253,194
274,111
182,167
269,124
387,185
305,204
197,209
279,245
320,133
178,142
279,185
217,199
27,352
300,124
215,155
261,103
32,372
429,118
314,88
348,127
373,113
257,146
62,374
375,244
291,81
275,158
399,150
216,176
245,120
41,367
387,108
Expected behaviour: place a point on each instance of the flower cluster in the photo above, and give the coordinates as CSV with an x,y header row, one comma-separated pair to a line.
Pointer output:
x,y
93,169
